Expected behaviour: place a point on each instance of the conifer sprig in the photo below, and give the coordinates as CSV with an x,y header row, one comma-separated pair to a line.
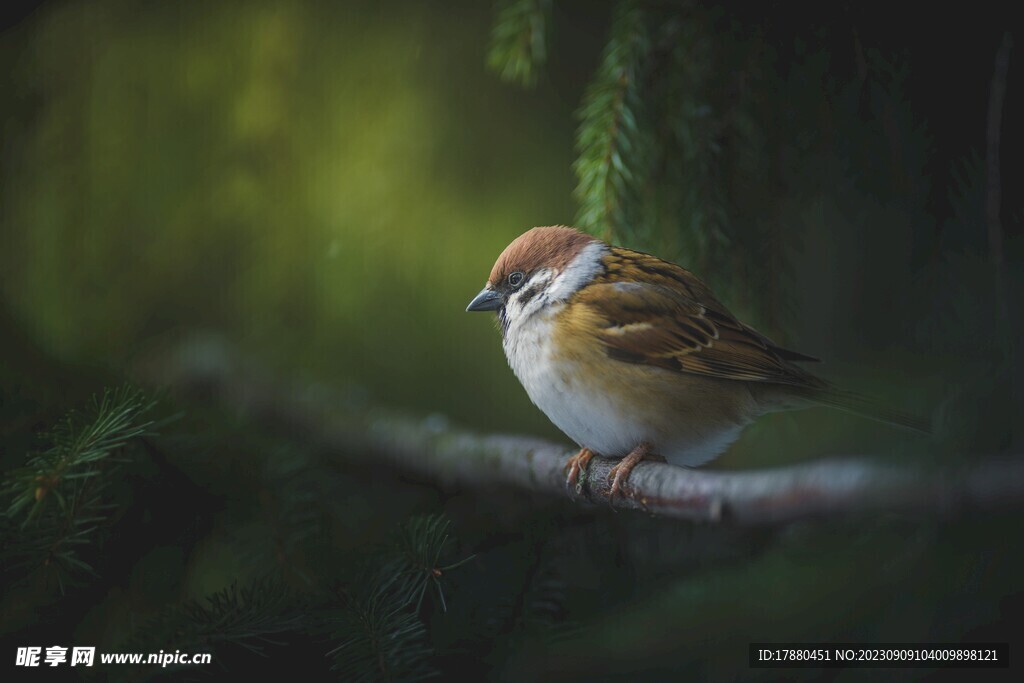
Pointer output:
x,y
519,40
78,446
55,503
612,142
380,637
380,633
248,616
422,541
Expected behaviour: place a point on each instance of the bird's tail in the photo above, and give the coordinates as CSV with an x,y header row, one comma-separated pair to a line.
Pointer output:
x,y
866,406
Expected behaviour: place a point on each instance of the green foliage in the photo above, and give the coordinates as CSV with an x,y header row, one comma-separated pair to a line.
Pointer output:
x,y
693,130
612,142
380,634
372,625
56,503
292,519
715,196
380,638
422,542
249,617
519,40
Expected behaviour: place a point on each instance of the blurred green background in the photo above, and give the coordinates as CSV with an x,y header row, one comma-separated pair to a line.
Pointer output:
x,y
326,185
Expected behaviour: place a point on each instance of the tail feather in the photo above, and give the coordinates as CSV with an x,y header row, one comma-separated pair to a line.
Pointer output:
x,y
867,407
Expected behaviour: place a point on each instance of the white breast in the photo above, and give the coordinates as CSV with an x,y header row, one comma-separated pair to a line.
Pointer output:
x,y
594,419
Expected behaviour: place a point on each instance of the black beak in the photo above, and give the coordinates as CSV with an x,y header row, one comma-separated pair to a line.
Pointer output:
x,y
486,300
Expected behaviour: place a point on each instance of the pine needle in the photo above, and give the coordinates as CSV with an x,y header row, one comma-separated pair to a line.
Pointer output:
x,y
519,40
612,143
54,505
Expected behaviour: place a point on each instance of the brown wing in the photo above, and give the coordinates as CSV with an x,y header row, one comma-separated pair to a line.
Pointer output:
x,y
626,264
656,317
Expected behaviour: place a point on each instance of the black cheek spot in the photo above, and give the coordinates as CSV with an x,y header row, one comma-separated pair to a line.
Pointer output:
x,y
529,293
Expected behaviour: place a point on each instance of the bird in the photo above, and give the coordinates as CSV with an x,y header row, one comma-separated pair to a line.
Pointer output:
x,y
633,357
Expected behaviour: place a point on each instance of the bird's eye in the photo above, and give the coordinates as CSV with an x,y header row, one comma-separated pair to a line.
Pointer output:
x,y
515,279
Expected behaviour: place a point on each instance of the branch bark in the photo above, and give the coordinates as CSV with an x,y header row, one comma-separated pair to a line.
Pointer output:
x,y
432,449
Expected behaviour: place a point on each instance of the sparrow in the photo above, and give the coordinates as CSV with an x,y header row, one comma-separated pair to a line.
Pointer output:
x,y
633,357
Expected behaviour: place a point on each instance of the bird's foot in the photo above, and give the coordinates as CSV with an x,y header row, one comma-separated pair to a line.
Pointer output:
x,y
620,472
576,466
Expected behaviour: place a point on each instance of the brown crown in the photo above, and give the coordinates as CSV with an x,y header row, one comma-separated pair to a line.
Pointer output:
x,y
548,247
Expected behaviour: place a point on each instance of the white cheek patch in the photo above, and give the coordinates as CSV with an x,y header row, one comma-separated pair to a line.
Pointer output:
x,y
581,270
530,298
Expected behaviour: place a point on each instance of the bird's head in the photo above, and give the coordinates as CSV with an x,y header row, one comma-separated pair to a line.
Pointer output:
x,y
541,267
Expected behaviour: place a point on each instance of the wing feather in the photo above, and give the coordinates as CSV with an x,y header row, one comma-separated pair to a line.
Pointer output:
x,y
661,315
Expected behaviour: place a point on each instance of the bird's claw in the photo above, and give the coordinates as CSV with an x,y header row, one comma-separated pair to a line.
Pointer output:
x,y
618,474
576,467
621,471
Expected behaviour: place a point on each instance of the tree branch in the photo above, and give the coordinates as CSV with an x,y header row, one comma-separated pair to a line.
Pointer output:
x,y
432,449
